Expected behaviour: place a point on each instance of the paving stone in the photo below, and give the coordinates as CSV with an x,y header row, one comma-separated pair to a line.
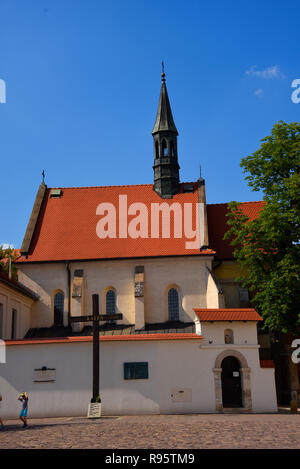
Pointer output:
x,y
201,431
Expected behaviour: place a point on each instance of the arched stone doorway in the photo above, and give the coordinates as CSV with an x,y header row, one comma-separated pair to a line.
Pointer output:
x,y
231,382
244,371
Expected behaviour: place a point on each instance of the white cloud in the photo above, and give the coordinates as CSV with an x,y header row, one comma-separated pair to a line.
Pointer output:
x,y
269,72
6,246
259,92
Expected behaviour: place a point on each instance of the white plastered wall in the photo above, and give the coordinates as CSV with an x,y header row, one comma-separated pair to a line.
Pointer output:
x,y
12,299
174,366
243,332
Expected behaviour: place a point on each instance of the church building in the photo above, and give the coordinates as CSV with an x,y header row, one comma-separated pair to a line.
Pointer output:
x,y
154,253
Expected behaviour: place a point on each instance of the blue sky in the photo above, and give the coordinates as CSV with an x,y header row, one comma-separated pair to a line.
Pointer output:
x,y
83,81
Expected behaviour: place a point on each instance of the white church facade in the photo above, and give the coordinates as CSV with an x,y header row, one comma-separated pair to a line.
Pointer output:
x,y
184,343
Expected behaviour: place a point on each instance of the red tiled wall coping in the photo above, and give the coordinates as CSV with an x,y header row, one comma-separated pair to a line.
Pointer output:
x,y
111,338
227,314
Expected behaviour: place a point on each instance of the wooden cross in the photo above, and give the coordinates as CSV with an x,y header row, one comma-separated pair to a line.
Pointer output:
x,y
95,318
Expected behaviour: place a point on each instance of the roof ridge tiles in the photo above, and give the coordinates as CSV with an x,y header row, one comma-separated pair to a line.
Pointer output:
x,y
110,186
247,202
99,187
223,309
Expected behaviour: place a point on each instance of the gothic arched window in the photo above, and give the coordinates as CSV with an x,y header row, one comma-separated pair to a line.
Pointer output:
x,y
110,302
59,299
164,148
173,305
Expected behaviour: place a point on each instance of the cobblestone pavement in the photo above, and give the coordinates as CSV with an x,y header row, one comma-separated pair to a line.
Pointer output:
x,y
202,431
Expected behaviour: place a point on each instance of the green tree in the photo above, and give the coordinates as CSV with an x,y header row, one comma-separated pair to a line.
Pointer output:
x,y
5,255
268,248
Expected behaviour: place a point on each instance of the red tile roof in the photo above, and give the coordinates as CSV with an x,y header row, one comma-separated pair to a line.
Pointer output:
x,y
66,226
227,314
217,225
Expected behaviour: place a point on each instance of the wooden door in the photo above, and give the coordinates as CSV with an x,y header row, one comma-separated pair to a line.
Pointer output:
x,y
231,383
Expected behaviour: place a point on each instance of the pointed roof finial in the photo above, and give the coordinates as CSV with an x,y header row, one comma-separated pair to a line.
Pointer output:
x,y
43,175
164,119
201,180
163,79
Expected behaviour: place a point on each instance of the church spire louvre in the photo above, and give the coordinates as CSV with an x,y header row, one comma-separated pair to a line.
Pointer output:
x,y
166,167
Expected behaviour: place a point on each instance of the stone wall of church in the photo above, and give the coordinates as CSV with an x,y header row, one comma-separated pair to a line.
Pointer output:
x,y
189,275
45,280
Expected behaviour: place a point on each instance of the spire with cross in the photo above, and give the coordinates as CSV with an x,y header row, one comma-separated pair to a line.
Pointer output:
x,y
166,167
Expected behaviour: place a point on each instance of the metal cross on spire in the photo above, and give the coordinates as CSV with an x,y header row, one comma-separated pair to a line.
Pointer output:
x,y
163,71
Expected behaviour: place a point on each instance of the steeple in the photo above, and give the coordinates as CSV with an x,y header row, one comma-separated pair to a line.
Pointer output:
x,y
166,167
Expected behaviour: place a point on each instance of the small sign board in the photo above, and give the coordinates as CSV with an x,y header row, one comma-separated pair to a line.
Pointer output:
x,y
98,317
236,374
94,411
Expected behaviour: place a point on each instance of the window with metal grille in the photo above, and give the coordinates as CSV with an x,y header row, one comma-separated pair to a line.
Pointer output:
x,y
173,305
138,370
110,302
59,299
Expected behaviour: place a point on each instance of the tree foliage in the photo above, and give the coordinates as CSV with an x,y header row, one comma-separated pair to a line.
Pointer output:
x,y
268,248
5,255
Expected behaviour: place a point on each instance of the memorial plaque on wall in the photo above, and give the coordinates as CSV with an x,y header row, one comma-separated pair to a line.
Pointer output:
x,y
44,375
139,289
